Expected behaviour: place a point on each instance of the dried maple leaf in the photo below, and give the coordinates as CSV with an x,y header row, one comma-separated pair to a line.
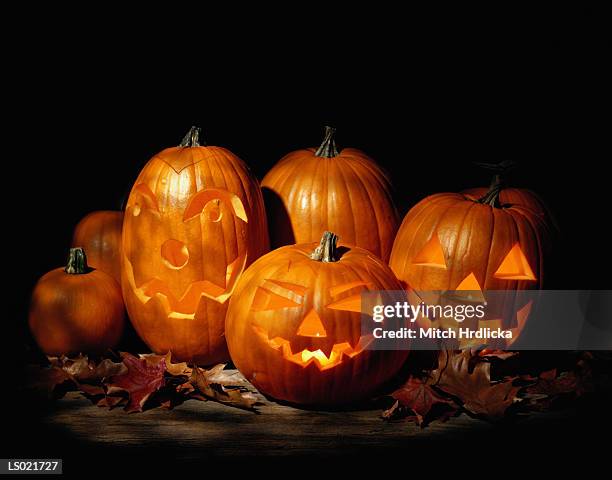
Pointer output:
x,y
464,376
140,381
214,385
417,397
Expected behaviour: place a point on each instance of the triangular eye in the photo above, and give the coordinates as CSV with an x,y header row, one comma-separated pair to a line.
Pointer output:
x,y
431,255
515,266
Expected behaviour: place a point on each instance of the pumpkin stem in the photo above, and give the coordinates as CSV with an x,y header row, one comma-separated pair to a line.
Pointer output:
x,y
192,139
492,196
328,147
326,251
500,169
77,262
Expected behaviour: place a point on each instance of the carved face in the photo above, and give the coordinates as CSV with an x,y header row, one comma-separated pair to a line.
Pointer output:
x,y
179,263
193,222
316,340
294,326
514,267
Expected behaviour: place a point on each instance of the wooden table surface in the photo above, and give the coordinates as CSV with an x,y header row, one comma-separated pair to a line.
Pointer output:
x,y
74,429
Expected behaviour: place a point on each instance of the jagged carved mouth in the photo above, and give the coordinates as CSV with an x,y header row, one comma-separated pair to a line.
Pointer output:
x,y
186,305
305,357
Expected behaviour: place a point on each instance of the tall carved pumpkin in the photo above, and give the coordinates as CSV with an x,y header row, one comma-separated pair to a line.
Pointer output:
x,y
294,324
194,221
453,241
99,233
313,190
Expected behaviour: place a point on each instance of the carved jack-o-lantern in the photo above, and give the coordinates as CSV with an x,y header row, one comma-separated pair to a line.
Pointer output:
x,y
451,241
294,325
194,221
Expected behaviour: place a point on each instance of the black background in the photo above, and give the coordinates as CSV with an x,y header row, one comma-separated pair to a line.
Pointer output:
x,y
89,108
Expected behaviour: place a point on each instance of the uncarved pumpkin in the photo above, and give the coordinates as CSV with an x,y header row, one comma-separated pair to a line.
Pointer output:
x,y
294,324
194,220
76,309
99,233
313,190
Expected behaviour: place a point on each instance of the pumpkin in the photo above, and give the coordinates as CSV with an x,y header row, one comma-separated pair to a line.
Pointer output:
x,y
294,324
194,220
76,309
452,241
313,190
99,233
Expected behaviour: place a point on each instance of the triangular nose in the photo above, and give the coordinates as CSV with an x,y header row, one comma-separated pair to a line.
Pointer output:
x,y
312,326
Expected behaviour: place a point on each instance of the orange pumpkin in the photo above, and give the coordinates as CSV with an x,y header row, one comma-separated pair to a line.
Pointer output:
x,y
76,309
313,190
99,233
194,220
294,324
452,241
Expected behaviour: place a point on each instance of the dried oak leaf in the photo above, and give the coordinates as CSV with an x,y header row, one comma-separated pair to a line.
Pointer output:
x,y
82,369
464,376
213,384
174,369
416,397
141,380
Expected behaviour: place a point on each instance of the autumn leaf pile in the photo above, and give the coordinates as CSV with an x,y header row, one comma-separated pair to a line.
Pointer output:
x,y
140,382
483,384
494,385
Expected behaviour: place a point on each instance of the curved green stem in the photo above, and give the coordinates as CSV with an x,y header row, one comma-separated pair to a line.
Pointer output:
x,y
77,262
328,147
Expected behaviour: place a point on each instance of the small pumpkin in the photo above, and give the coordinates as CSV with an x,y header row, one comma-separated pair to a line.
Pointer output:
x,y
76,309
99,233
453,241
313,190
194,220
294,324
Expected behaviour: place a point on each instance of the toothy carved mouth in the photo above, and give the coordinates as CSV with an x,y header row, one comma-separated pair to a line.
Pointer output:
x,y
186,306
305,357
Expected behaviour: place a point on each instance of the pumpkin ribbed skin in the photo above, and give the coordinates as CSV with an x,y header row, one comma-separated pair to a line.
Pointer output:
x,y
266,367
99,233
348,194
193,212
73,313
474,237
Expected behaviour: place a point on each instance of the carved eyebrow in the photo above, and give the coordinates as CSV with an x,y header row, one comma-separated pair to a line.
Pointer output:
x,y
198,201
292,287
276,294
338,289
150,199
348,304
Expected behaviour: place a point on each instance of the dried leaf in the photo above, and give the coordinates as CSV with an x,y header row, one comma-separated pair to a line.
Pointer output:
x,y
417,397
81,369
141,380
43,381
174,369
464,376
219,390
